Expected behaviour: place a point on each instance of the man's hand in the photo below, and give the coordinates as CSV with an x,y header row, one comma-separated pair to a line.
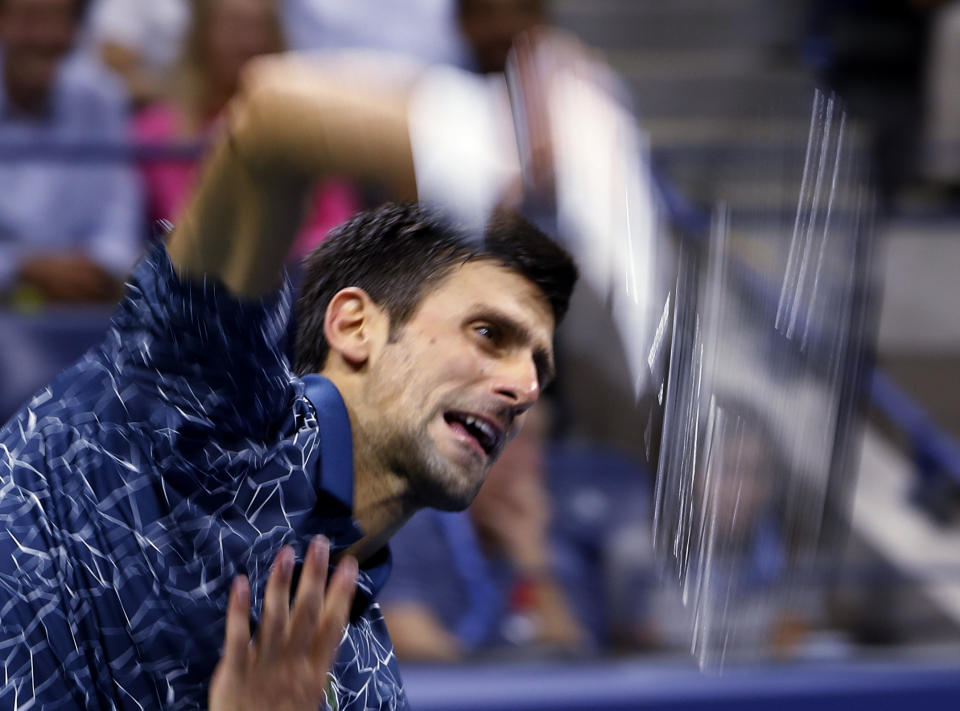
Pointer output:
x,y
285,668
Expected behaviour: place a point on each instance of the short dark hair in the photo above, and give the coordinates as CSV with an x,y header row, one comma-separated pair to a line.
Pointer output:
x,y
398,251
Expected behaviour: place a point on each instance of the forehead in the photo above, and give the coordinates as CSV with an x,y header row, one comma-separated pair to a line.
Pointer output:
x,y
479,284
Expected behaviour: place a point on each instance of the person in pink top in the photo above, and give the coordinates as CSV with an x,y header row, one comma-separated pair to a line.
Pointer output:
x,y
223,36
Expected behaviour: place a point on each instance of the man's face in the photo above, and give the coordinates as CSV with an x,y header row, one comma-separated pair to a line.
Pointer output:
x,y
449,390
35,35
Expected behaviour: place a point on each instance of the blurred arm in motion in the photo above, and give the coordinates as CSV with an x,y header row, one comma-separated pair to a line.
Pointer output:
x,y
296,119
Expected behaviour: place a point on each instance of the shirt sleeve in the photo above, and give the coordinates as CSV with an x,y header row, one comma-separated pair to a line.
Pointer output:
x,y
37,635
192,345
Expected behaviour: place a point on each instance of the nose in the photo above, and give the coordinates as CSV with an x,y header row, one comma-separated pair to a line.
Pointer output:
x,y
516,379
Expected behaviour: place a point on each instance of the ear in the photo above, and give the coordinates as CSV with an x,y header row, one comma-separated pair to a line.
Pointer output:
x,y
349,325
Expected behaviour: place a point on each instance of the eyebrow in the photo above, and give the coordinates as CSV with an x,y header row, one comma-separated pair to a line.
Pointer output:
x,y
517,332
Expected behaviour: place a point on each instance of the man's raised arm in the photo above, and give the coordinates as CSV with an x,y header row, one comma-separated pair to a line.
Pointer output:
x,y
296,119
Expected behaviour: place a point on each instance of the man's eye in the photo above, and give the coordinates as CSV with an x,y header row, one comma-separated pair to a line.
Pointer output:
x,y
488,332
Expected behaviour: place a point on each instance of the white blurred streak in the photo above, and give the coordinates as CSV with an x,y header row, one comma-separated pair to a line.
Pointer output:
x,y
757,419
656,347
763,367
817,295
463,145
607,206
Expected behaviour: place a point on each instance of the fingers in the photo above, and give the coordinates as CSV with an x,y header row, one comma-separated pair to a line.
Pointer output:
x,y
317,619
287,667
276,604
310,592
236,638
336,611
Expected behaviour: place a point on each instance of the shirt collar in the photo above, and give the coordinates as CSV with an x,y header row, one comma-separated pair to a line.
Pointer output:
x,y
336,439
336,482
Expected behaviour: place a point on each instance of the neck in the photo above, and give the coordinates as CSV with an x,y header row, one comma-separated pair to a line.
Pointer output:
x,y
382,500
380,506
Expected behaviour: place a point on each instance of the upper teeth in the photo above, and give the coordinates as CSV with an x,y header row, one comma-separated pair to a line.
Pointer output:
x,y
481,425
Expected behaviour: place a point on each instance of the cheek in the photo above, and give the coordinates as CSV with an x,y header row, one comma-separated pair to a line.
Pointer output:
x,y
430,367
447,357
459,368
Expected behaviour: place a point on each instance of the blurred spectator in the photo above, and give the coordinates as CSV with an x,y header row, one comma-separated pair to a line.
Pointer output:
x,y
489,27
138,39
746,523
943,99
502,577
595,388
223,35
476,34
419,28
453,103
68,232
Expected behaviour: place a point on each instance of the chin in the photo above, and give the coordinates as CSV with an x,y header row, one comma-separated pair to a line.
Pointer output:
x,y
441,475
451,491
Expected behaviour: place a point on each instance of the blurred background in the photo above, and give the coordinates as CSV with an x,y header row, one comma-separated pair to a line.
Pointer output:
x,y
546,593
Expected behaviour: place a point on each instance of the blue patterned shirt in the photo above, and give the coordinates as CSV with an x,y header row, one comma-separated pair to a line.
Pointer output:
x,y
179,453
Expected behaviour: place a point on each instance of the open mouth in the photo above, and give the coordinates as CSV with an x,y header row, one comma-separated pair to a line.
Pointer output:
x,y
485,433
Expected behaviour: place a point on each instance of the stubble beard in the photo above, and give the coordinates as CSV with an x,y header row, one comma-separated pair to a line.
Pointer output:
x,y
406,449
433,480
